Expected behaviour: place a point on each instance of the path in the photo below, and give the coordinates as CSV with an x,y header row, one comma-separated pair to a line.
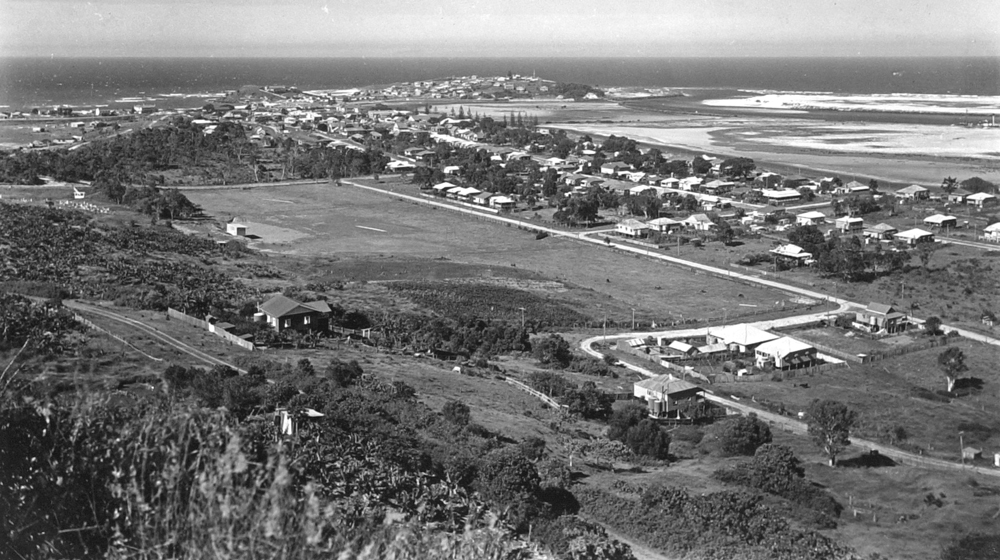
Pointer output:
x,y
84,308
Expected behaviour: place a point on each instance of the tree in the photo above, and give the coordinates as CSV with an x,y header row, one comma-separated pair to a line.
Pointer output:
x,y
924,252
744,435
648,439
624,418
952,362
510,481
830,424
552,349
739,167
932,326
344,374
589,401
701,165
457,413
949,184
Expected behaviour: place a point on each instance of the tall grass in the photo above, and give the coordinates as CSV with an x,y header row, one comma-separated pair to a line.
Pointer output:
x,y
152,479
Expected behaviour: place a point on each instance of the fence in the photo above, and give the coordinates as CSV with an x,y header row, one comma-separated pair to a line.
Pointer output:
x,y
545,398
90,324
778,373
203,324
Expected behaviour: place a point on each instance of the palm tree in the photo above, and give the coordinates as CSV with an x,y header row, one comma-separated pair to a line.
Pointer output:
x,y
949,184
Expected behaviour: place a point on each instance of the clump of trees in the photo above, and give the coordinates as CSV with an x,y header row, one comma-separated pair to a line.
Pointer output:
x,y
774,469
952,363
632,426
743,435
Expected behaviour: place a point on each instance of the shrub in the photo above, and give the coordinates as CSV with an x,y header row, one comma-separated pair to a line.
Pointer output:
x,y
648,439
743,435
457,413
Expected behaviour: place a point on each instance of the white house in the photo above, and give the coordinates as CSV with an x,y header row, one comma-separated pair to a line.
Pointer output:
x,y
739,338
615,167
452,170
502,202
236,229
631,228
915,236
848,224
981,200
664,225
688,183
813,218
785,353
912,192
780,196
792,253
941,221
992,232
698,222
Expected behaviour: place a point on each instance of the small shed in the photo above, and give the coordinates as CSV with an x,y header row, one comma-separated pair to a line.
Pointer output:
x,y
236,229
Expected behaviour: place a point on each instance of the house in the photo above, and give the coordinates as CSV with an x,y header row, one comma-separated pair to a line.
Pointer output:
x,y
718,187
698,222
941,221
958,196
981,200
992,232
632,228
613,168
813,218
740,338
681,348
915,236
502,202
848,224
400,166
482,199
670,183
634,176
236,229
785,353
912,192
780,196
853,187
689,183
664,225
451,170
285,313
880,232
78,194
665,395
768,179
880,318
792,253
442,188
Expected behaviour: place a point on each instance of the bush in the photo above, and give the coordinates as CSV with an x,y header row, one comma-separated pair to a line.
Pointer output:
x,y
774,469
457,413
743,435
648,439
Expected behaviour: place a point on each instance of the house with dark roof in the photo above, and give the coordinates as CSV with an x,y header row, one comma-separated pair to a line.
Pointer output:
x,y
285,313
880,318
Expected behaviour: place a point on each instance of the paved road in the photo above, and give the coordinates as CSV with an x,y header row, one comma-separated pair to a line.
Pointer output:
x,y
84,309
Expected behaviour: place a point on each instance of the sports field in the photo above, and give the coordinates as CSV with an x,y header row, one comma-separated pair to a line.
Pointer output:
x,y
343,222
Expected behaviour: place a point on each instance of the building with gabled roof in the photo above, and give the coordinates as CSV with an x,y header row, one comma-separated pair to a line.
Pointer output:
x,y
914,236
740,338
941,221
912,192
785,353
284,313
665,395
880,231
792,253
880,318
813,218
981,200
631,228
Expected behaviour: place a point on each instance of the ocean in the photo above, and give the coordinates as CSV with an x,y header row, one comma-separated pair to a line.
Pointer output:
x,y
187,82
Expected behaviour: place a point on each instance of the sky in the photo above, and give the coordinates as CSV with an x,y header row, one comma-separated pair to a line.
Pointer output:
x,y
499,28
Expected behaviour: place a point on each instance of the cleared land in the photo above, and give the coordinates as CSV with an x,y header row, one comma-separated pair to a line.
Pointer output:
x,y
323,222
906,391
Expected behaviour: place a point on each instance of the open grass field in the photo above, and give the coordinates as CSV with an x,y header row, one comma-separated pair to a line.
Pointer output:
x,y
834,336
328,222
908,391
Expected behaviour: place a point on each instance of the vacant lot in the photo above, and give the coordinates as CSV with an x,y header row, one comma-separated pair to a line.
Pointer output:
x,y
342,222
906,391
835,337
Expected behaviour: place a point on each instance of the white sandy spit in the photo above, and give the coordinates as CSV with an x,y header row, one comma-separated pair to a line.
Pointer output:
x,y
896,102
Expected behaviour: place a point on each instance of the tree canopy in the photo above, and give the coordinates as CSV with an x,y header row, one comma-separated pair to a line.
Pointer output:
x,y
830,424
